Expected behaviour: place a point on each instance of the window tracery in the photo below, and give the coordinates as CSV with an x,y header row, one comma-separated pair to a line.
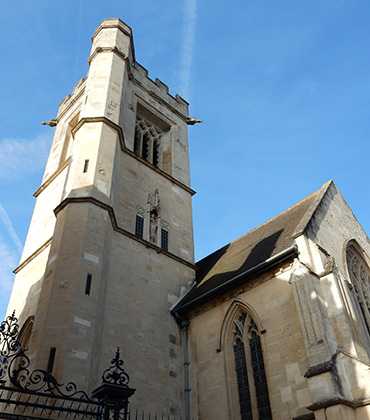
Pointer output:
x,y
250,370
359,273
147,141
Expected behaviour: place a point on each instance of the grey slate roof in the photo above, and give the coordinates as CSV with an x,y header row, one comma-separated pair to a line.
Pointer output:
x,y
255,249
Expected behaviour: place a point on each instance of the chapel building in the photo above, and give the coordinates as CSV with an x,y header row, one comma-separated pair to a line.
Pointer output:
x,y
275,325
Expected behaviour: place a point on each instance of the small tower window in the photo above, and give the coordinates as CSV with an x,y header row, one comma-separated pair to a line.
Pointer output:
x,y
86,165
51,359
164,239
88,284
139,226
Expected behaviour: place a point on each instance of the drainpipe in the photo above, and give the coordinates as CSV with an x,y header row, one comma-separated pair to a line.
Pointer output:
x,y
185,329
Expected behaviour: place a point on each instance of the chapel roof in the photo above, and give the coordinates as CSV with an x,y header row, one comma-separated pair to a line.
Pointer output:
x,y
252,252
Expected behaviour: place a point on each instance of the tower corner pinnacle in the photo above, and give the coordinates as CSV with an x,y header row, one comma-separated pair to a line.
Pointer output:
x,y
114,33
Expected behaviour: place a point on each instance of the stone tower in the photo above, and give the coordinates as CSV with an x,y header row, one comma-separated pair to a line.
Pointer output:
x,y
110,243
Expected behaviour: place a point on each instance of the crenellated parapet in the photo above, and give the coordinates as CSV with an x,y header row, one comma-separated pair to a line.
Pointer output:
x,y
158,89
114,36
70,99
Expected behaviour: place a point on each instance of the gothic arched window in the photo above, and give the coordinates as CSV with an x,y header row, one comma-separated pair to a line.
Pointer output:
x,y
147,143
25,333
250,370
359,274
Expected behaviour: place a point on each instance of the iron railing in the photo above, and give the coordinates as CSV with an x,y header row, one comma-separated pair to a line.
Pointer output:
x,y
36,394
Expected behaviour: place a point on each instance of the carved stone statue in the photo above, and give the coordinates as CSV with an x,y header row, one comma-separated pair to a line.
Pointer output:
x,y
153,228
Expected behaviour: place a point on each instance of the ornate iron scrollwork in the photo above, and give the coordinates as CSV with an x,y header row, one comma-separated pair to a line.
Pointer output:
x,y
9,331
14,364
38,392
115,374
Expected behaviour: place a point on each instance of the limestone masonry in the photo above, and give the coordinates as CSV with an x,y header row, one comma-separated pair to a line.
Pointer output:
x,y
275,325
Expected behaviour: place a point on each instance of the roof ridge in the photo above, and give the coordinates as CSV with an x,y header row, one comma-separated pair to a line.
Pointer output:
x,y
301,227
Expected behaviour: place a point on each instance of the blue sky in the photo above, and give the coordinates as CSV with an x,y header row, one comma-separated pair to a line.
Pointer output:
x,y
283,88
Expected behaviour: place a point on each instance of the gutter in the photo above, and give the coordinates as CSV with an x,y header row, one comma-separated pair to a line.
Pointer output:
x,y
185,329
185,323
288,253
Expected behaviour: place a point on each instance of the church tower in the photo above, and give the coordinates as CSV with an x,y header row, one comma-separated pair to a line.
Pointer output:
x,y
110,244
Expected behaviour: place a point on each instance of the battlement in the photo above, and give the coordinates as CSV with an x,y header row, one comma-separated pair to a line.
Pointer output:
x,y
70,99
114,23
158,88
113,36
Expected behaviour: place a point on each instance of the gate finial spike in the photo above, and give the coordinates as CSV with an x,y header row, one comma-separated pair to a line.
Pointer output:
x,y
115,374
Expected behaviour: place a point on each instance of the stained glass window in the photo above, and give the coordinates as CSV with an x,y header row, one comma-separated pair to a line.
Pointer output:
x,y
243,384
250,371
359,273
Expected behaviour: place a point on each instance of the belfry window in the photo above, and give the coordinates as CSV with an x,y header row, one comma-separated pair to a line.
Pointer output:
x,y
147,142
250,371
359,273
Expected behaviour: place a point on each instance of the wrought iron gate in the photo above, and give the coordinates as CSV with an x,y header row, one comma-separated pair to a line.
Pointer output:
x,y
30,395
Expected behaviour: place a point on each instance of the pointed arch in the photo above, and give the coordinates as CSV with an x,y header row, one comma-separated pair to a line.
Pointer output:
x,y
240,341
25,333
357,264
236,306
147,142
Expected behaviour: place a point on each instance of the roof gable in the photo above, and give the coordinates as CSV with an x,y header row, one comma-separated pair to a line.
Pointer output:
x,y
252,250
